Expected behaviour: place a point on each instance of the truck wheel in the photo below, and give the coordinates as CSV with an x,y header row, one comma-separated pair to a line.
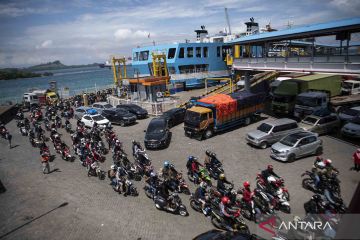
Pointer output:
x,y
208,133
263,145
247,121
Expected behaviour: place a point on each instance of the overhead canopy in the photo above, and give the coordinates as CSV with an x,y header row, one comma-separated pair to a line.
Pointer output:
x,y
314,30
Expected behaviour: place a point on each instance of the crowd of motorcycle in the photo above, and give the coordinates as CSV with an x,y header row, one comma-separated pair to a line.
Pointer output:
x,y
225,206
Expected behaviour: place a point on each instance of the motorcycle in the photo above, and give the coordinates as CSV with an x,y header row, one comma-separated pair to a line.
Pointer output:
x,y
184,188
150,191
65,154
24,131
35,142
332,183
236,224
175,205
197,206
215,170
68,128
100,147
96,172
142,158
131,188
132,172
262,184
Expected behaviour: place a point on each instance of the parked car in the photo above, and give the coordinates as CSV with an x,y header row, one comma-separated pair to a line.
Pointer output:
x,y
100,106
272,131
134,109
352,129
297,145
321,125
80,112
89,120
174,116
157,134
119,116
348,114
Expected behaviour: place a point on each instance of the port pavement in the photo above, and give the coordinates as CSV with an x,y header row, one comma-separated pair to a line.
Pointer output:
x,y
95,211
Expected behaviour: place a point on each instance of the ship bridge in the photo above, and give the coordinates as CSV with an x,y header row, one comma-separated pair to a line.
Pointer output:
x,y
332,47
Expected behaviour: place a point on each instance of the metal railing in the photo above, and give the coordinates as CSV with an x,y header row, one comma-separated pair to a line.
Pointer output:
x,y
153,108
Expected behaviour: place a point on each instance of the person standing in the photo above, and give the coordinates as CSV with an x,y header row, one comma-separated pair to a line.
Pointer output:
x,y
9,137
356,158
45,164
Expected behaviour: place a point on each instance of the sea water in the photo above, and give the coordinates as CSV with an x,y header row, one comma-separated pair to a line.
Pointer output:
x,y
76,80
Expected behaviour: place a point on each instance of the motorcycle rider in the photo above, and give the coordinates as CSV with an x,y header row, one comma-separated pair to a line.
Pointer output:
x,y
226,212
136,148
193,166
268,172
67,123
120,180
247,195
221,184
210,159
202,196
112,175
117,147
317,167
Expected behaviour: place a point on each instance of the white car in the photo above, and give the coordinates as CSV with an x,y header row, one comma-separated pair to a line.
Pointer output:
x,y
89,120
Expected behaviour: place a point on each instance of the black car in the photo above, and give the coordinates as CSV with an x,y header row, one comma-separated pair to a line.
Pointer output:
x,y
222,235
174,116
119,116
157,134
134,109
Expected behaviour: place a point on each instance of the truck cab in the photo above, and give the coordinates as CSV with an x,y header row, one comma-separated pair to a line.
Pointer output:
x,y
30,99
51,97
309,102
350,87
199,122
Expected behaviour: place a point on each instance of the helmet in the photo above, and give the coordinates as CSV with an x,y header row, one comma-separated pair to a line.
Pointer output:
x,y
113,167
208,152
203,185
270,167
117,141
133,141
246,184
222,176
225,200
358,150
153,174
166,164
327,162
212,154
191,158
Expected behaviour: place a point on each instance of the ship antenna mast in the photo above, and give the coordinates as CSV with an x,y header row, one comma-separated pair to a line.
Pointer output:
x,y
227,20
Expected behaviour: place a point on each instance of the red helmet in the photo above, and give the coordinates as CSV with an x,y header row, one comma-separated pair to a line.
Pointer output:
x,y
225,200
246,184
327,162
270,167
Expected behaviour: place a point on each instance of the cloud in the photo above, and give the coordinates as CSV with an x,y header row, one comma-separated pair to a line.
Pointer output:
x,y
45,44
15,10
126,34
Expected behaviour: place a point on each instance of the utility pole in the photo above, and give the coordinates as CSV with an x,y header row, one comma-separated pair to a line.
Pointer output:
x,y
227,20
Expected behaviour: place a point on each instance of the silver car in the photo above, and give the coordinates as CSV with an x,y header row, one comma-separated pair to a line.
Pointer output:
x,y
80,112
321,125
270,132
297,145
352,129
100,106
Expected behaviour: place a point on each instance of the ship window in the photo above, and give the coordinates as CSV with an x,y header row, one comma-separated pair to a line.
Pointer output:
x,y
136,56
171,53
171,70
198,52
181,53
218,51
205,53
144,55
190,52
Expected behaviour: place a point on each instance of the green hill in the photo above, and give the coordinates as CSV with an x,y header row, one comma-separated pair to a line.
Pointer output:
x,y
47,66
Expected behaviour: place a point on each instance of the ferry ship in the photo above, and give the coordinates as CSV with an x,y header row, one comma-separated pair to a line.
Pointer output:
x,y
188,63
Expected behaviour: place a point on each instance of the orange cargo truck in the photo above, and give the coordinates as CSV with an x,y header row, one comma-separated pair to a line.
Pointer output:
x,y
220,112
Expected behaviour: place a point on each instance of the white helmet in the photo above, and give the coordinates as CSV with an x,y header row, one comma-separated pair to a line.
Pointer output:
x,y
152,174
203,185
113,167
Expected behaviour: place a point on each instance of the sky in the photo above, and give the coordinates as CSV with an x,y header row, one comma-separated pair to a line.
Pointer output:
x,y
88,31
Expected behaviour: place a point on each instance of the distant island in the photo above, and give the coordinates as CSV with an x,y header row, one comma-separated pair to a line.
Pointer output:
x,y
34,71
